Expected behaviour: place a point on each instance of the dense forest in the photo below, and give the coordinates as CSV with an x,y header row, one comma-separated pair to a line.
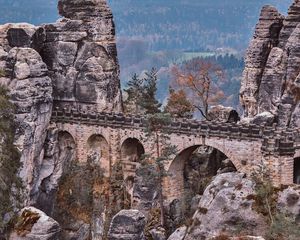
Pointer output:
x,y
190,25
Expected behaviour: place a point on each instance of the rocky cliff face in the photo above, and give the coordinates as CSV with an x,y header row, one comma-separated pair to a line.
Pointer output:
x,y
80,52
26,75
71,63
270,81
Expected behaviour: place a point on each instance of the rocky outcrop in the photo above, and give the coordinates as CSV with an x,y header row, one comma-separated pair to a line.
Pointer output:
x,y
226,207
265,38
80,52
34,224
68,64
270,80
127,225
223,114
289,202
26,76
179,234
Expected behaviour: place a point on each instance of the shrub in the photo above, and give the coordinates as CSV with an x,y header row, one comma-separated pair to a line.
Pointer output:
x,y
284,227
10,183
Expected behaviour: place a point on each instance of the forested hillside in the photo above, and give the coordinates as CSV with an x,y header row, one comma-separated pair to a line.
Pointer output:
x,y
159,33
190,24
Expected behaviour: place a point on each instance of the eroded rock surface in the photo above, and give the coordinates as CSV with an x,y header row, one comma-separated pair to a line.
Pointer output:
x,y
71,63
127,225
270,82
26,76
34,224
80,52
289,202
226,207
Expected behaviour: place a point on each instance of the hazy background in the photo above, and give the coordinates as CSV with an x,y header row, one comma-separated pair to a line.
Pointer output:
x,y
159,33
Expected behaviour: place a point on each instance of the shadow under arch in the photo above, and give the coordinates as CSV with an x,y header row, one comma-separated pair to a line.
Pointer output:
x,y
98,152
193,160
132,151
187,177
66,149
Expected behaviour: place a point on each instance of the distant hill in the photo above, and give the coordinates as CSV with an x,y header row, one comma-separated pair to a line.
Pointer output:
x,y
190,24
164,24
157,33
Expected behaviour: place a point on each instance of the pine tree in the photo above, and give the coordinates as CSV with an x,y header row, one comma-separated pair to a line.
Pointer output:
x,y
149,102
164,151
135,93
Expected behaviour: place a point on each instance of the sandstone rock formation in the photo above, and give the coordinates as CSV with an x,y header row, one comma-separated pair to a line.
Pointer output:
x,y
270,79
71,63
127,225
80,52
26,75
289,202
223,114
34,224
229,198
179,234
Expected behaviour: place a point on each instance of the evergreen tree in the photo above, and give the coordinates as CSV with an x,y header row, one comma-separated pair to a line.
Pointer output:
x,y
158,134
135,93
149,102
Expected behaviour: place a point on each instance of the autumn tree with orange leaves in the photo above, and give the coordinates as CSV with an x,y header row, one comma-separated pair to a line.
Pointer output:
x,y
178,105
198,78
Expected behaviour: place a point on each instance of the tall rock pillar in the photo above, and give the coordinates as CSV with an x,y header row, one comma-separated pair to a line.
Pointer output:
x,y
81,55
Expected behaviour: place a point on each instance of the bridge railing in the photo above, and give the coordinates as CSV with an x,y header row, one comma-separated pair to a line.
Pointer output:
x,y
275,140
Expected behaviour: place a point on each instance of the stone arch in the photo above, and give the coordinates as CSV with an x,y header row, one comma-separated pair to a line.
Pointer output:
x,y
131,152
188,175
174,183
66,149
98,152
296,174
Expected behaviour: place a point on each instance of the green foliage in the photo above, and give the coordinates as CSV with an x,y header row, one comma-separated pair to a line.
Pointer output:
x,y
9,158
281,226
284,227
134,92
142,94
2,73
265,198
149,101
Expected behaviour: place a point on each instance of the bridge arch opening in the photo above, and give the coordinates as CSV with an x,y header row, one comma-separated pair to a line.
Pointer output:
x,y
132,151
98,152
297,170
189,174
66,150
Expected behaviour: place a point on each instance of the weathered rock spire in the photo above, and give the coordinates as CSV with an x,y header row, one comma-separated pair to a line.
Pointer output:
x,y
80,52
271,78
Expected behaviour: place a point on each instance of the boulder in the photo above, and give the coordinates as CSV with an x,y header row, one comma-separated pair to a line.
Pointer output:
x,y
179,234
289,202
127,225
226,207
223,114
34,224
158,233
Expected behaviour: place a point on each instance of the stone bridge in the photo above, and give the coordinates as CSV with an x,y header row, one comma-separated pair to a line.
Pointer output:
x,y
116,137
